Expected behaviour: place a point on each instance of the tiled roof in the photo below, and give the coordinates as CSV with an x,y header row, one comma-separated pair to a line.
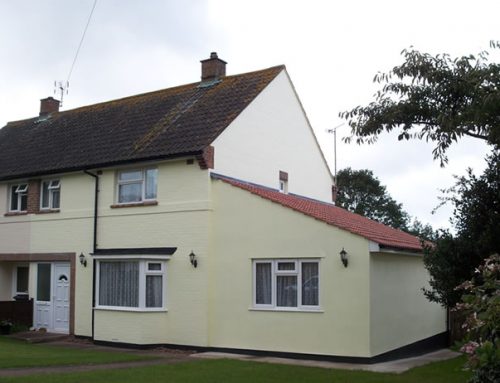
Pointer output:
x,y
163,124
333,215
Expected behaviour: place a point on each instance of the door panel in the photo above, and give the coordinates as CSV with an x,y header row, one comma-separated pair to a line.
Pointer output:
x,y
61,297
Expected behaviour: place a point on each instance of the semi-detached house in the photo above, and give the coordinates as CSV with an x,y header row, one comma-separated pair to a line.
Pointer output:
x,y
201,216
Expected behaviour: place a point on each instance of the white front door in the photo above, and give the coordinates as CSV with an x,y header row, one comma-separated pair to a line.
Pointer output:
x,y
52,297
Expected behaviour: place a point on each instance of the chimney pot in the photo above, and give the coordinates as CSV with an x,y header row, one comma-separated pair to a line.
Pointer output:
x,y
213,68
48,105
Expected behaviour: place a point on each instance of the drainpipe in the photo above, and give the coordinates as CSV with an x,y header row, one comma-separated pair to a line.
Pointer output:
x,y
94,245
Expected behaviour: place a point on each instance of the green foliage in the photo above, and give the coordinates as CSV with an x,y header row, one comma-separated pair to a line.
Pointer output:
x,y
481,304
360,192
436,98
422,231
476,217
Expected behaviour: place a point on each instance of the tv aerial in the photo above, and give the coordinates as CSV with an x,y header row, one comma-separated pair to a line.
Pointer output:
x,y
61,88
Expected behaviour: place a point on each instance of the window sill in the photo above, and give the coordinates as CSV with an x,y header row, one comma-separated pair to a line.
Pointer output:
x,y
287,309
132,309
15,213
134,204
48,211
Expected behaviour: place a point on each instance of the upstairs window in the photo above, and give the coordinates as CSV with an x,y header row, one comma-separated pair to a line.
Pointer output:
x,y
18,198
283,182
50,196
137,185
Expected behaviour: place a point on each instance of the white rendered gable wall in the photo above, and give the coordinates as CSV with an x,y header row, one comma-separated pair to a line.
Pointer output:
x,y
270,135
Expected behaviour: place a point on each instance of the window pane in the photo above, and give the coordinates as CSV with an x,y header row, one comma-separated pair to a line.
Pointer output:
x,y
154,266
45,194
22,188
310,279
286,266
24,202
119,284
131,175
151,183
263,283
54,184
43,282
55,199
154,296
13,199
130,193
22,280
286,286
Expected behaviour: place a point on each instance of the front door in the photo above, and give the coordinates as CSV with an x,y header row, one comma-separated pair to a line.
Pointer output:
x,y
52,297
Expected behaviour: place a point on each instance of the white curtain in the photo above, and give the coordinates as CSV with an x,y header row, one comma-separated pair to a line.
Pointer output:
x,y
154,295
310,280
286,286
263,283
119,284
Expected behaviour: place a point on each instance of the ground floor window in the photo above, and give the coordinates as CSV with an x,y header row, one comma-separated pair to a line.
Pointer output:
x,y
286,283
134,284
22,277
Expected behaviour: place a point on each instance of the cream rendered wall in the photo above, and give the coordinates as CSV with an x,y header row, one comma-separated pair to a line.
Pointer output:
x,y
14,231
400,314
246,227
270,135
180,220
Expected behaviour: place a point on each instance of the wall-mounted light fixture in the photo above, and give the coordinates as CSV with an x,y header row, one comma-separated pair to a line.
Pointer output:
x,y
192,258
343,257
83,261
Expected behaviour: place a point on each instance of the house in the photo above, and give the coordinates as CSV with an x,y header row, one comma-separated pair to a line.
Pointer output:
x,y
201,216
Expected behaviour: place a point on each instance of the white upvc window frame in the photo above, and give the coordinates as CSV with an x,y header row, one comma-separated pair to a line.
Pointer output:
x,y
275,272
15,277
54,185
283,186
142,180
143,272
21,190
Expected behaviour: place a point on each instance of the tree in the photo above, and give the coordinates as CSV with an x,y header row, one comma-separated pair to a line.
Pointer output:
x,y
476,218
436,98
359,191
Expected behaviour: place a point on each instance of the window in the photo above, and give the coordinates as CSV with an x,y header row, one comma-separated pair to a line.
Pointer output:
x,y
22,274
283,186
131,284
50,196
18,198
285,284
137,185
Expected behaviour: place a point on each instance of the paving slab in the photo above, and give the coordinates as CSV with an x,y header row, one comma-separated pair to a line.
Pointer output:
x,y
395,366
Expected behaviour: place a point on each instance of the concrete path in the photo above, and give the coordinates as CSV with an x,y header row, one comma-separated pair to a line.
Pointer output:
x,y
395,366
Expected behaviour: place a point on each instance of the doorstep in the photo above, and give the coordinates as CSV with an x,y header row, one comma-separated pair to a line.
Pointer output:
x,y
38,336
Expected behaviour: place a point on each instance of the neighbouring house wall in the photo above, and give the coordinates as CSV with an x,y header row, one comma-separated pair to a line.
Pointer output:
x,y
270,135
400,313
246,227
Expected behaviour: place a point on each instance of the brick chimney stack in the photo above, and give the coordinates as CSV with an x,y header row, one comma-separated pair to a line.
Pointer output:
x,y
213,68
48,105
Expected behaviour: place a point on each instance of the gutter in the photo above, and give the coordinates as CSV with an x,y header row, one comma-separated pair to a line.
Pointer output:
x,y
94,243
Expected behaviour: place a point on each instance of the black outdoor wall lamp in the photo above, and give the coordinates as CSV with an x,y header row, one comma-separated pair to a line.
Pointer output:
x,y
343,257
83,261
192,258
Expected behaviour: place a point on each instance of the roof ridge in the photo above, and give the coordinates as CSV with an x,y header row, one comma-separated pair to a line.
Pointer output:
x,y
150,93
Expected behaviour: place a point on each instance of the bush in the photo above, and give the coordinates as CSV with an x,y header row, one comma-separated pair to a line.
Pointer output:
x,y
481,304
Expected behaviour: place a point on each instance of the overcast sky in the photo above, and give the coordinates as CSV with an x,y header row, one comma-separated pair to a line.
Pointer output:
x,y
332,50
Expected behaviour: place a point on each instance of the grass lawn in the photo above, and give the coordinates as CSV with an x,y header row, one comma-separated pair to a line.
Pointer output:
x,y
15,353
238,371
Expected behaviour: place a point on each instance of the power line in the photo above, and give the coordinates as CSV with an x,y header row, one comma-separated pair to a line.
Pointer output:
x,y
81,41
